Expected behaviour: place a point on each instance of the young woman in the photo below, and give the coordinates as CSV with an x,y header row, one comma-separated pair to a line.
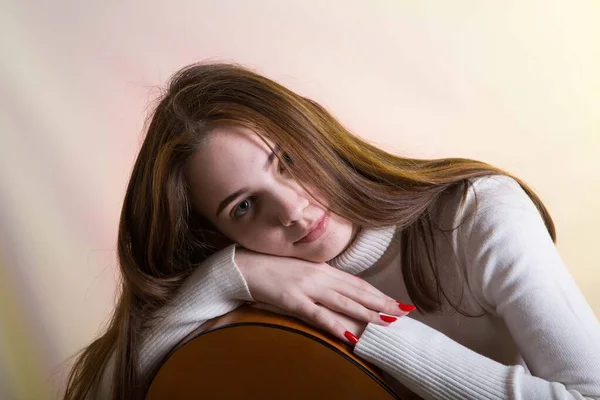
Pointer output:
x,y
244,191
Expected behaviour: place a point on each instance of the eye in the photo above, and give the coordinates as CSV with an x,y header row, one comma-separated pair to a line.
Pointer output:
x,y
287,160
243,206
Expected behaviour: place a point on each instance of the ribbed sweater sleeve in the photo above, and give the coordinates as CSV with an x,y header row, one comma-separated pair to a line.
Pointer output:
x,y
215,288
515,271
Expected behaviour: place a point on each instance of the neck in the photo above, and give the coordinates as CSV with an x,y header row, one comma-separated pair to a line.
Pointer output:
x,y
366,248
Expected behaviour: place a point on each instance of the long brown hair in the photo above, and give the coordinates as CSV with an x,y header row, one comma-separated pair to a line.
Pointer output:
x,y
161,238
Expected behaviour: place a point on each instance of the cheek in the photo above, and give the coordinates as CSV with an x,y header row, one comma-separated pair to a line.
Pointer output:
x,y
260,240
246,234
239,234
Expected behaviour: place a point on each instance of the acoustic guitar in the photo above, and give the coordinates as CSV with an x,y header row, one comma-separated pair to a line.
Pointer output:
x,y
255,354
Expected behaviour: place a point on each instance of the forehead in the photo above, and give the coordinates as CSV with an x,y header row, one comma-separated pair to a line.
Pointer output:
x,y
236,140
233,158
232,148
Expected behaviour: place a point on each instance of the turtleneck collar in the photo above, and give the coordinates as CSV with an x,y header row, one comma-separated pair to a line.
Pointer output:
x,y
366,249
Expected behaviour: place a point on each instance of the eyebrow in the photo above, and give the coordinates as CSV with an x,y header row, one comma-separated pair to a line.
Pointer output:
x,y
243,190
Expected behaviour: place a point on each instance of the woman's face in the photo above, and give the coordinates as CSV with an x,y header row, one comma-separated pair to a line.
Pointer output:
x,y
273,212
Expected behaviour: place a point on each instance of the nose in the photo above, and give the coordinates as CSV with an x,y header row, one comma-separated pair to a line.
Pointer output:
x,y
290,206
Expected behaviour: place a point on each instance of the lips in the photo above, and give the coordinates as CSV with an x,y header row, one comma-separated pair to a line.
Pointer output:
x,y
312,228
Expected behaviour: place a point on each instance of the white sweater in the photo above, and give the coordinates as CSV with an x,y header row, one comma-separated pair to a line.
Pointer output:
x,y
538,337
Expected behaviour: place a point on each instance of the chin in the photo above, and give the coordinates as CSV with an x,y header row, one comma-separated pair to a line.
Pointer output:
x,y
335,244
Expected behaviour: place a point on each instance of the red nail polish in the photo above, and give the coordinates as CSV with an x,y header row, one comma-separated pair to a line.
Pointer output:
x,y
406,307
351,337
387,318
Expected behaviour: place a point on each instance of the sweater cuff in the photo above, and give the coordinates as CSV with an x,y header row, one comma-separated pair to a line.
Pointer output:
x,y
217,278
215,288
431,364
227,273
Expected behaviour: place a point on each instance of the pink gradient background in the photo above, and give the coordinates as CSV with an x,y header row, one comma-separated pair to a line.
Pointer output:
x,y
512,83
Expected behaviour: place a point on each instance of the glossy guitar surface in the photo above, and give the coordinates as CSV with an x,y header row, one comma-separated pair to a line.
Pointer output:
x,y
255,354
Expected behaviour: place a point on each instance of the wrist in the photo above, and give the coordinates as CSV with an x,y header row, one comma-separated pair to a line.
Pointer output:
x,y
241,259
247,261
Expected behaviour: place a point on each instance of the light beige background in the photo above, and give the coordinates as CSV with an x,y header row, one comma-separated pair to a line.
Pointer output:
x,y
512,83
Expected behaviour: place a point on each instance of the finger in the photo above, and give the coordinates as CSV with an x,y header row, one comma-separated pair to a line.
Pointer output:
x,y
390,304
363,284
323,318
355,280
366,298
341,304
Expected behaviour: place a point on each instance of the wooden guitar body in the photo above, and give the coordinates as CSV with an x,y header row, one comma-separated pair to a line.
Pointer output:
x,y
255,354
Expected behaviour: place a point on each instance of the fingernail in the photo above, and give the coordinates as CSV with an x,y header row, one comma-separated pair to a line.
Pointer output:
x,y
387,318
406,307
351,337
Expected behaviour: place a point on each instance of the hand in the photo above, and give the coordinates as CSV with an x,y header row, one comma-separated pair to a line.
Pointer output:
x,y
315,292
353,326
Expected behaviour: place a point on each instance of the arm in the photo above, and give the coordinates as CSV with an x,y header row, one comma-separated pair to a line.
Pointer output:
x,y
235,275
516,272
215,288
